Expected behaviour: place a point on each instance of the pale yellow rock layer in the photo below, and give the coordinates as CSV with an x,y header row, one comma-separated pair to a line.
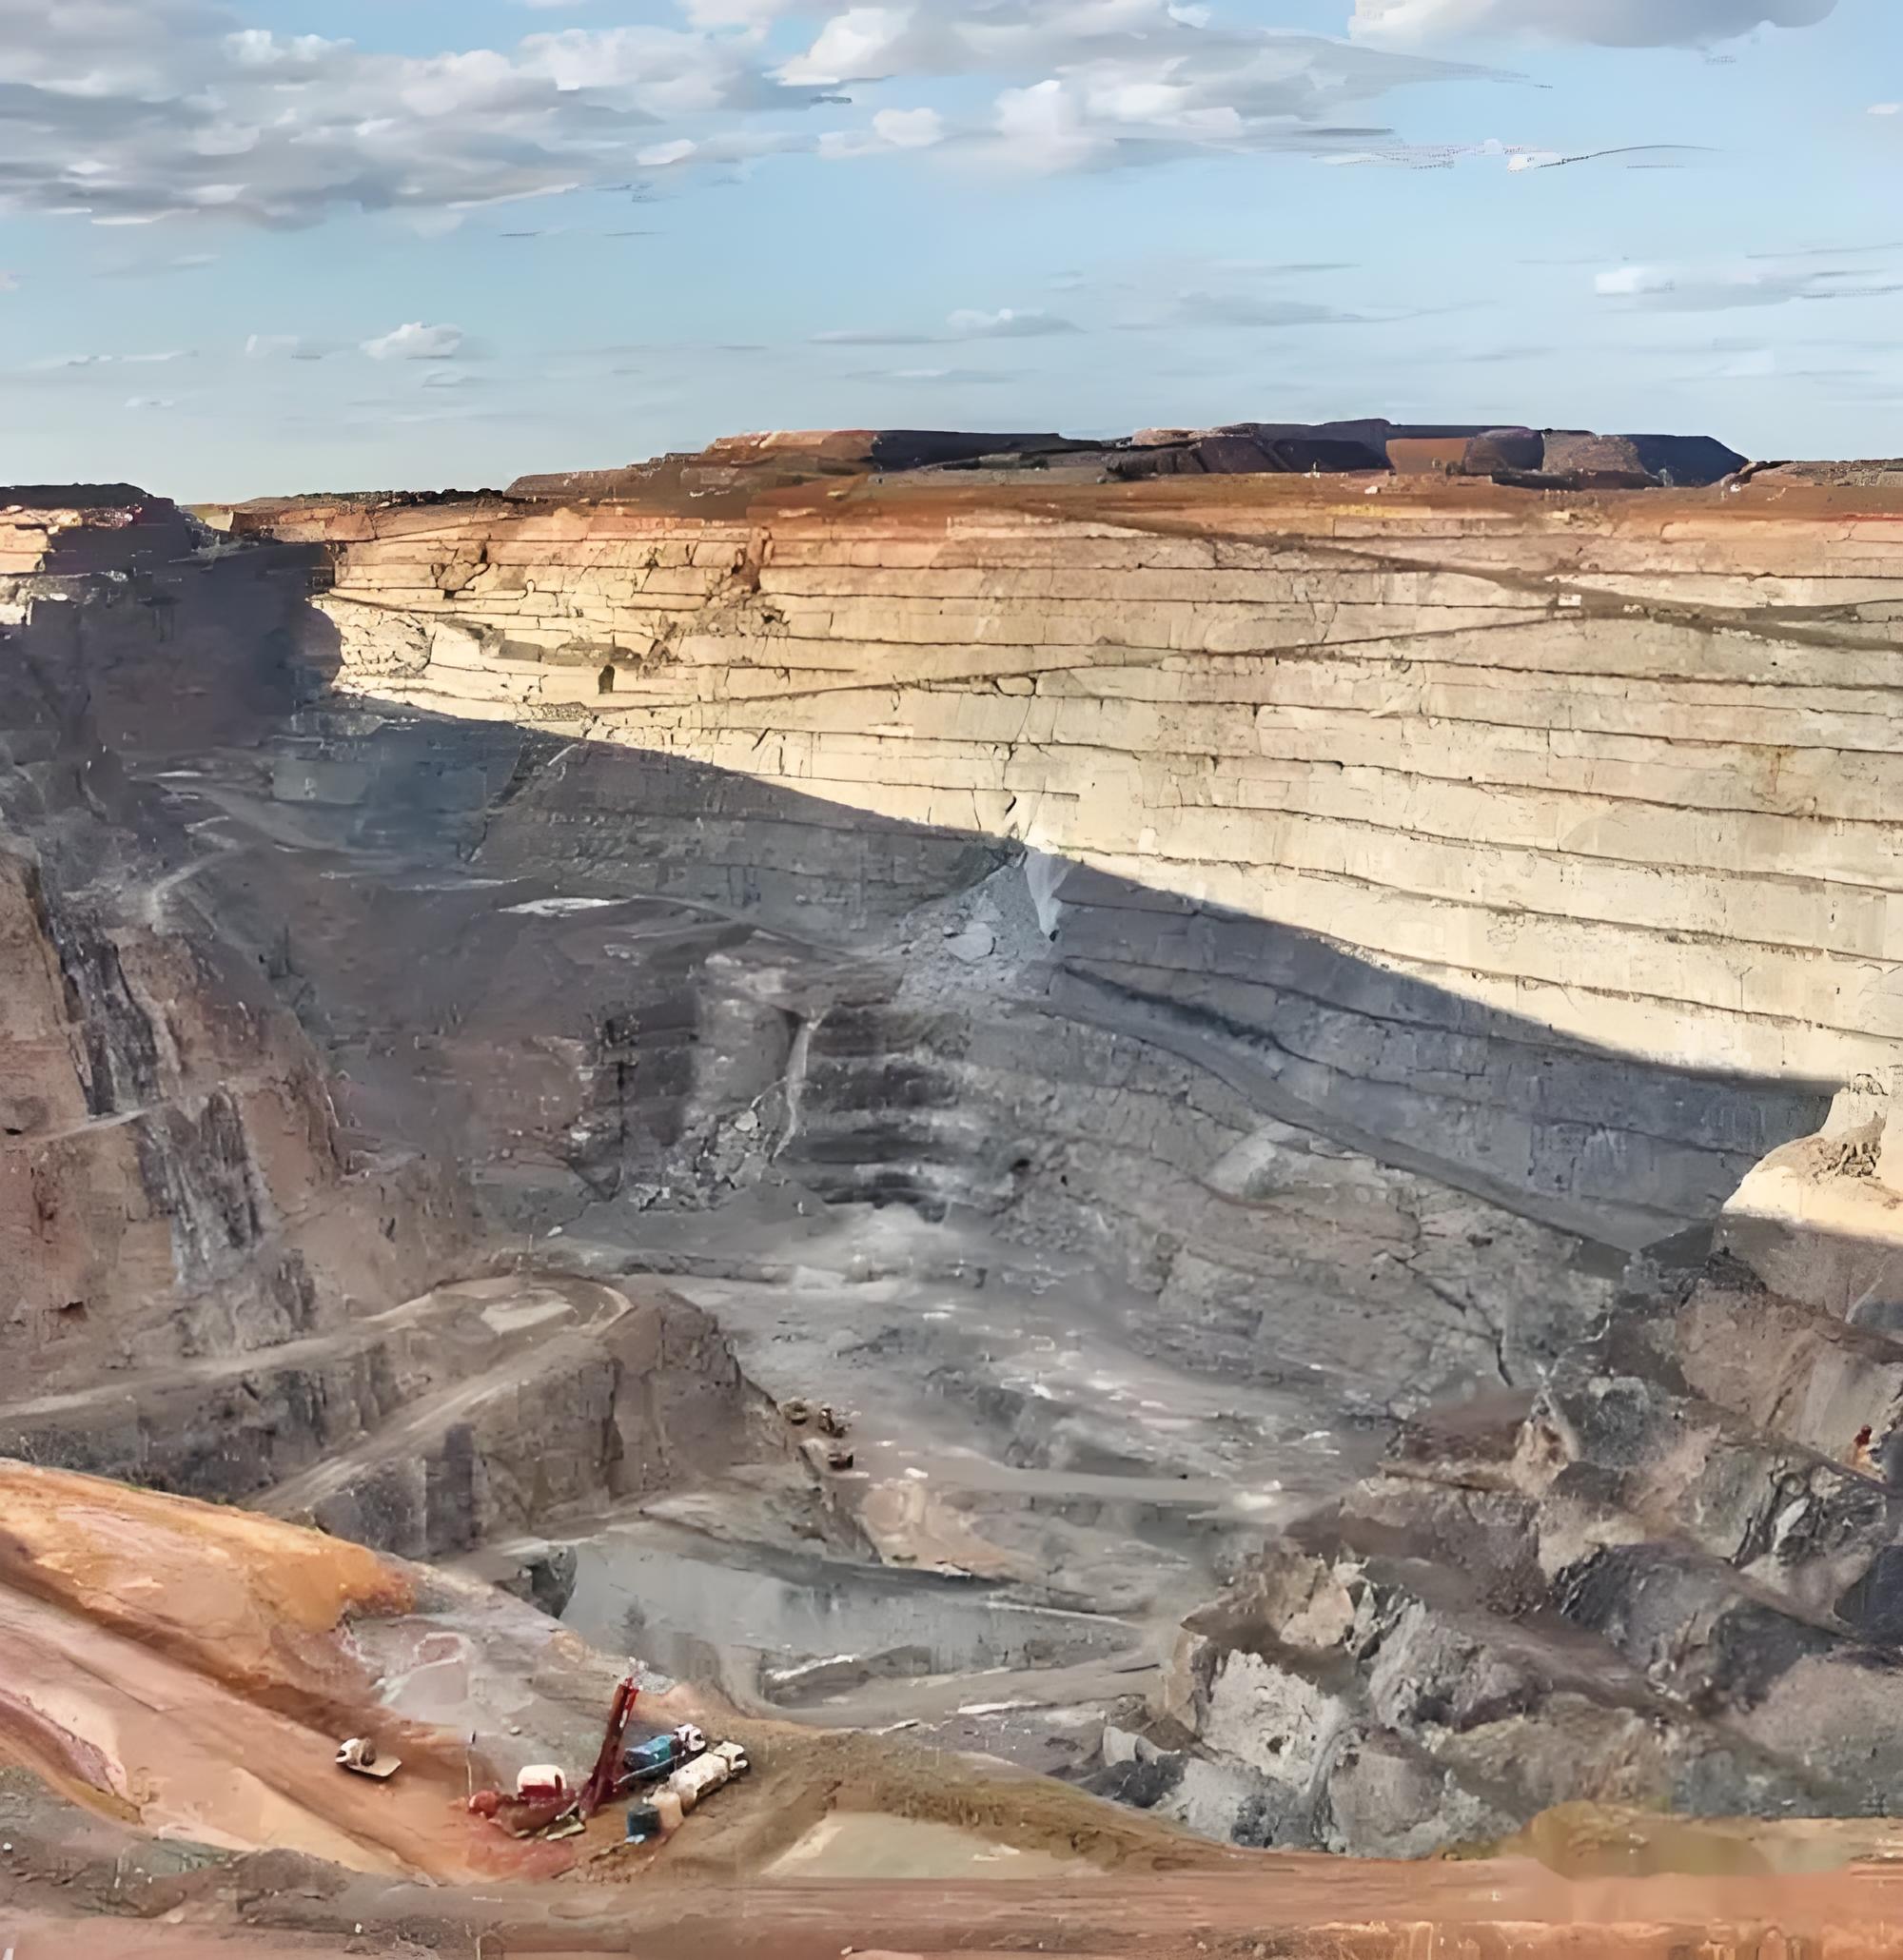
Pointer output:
x,y
1628,767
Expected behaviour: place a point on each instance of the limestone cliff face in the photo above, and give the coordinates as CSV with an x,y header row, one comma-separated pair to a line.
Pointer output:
x,y
1546,838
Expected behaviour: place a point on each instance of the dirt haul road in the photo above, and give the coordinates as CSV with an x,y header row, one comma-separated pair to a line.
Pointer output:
x,y
1295,1908
187,1670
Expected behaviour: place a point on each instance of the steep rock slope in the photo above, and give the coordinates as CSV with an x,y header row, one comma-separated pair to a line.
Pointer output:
x,y
213,1276
174,1180
1666,1579
1145,988
1544,834
1352,914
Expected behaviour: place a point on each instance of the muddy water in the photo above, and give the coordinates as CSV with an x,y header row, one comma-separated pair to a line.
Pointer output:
x,y
784,1631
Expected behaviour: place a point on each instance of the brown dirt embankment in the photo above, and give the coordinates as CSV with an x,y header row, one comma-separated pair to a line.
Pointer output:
x,y
220,1590
186,1668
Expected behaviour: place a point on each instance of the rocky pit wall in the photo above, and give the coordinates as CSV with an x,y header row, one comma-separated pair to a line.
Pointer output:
x,y
174,1180
1155,987
211,1279
1532,846
1545,837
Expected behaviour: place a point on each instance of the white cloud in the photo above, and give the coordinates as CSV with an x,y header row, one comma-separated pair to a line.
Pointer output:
x,y
415,342
153,268
1611,22
128,111
736,13
1043,128
1748,282
891,128
933,377
279,346
157,360
968,324
9,282
908,129
1633,281
137,112
141,402
1097,84
875,337
1886,108
860,45
1242,309
1008,323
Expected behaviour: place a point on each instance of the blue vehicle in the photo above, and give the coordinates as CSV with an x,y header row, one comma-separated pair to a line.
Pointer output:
x,y
656,1759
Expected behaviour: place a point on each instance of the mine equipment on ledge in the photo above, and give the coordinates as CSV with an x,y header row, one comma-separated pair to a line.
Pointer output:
x,y
359,1757
678,1768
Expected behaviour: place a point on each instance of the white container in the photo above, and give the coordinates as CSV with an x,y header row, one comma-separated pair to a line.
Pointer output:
x,y
703,1778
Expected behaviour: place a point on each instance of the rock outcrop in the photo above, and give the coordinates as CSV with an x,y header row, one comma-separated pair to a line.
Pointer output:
x,y
213,1276
1549,458
175,1182
1163,971
1668,1578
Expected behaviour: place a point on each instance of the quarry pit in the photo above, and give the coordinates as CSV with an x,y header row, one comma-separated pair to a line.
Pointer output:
x,y
1299,1049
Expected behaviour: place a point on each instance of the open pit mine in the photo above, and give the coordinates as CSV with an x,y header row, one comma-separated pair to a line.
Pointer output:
x,y
1168,1167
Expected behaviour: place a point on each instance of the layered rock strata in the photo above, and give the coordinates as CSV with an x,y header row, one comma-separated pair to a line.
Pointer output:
x,y
1284,941
1669,1577
1544,838
175,1182
213,1263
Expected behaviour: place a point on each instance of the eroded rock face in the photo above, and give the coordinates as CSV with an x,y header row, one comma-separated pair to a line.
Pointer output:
x,y
1157,990
213,1276
1666,1579
175,1184
1443,811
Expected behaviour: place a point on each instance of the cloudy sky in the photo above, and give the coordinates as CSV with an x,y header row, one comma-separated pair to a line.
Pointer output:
x,y
269,245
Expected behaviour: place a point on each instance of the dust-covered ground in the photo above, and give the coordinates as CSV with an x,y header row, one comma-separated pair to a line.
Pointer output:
x,y
180,1671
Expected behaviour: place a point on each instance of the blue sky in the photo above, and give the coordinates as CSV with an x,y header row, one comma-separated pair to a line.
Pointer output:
x,y
250,246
